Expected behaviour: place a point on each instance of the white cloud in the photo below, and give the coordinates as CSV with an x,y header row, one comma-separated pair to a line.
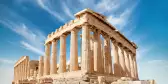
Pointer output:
x,y
67,10
108,5
31,48
143,51
33,39
120,21
46,5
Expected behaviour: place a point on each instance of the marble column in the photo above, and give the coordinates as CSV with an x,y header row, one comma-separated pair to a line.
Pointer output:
x,y
62,65
127,63
74,50
97,52
21,71
31,72
28,69
102,56
35,73
117,69
107,54
47,59
85,48
131,64
135,68
54,57
18,72
41,66
91,53
122,60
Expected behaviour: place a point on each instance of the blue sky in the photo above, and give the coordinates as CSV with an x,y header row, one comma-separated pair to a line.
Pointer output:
x,y
24,25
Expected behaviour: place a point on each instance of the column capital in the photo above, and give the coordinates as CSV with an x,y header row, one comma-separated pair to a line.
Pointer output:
x,y
74,29
54,40
63,35
49,43
86,24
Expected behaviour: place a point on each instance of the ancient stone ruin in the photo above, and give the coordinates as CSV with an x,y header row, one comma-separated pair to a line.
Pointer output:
x,y
108,61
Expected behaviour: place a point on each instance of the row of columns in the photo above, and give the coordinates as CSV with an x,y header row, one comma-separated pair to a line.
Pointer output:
x,y
21,71
62,64
124,61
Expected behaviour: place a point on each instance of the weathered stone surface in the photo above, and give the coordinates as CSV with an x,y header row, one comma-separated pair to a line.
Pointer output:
x,y
96,58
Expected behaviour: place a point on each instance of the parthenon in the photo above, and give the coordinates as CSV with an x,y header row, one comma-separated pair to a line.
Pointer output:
x,y
102,61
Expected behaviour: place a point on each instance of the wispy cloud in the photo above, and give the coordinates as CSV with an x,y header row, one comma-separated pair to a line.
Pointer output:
x,y
28,32
47,6
108,5
67,10
32,48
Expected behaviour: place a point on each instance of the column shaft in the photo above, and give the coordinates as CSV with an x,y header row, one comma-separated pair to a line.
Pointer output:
x,y
62,65
107,54
97,52
91,54
74,51
102,56
131,64
41,66
117,69
85,48
135,67
28,69
21,70
47,59
127,63
54,57
122,60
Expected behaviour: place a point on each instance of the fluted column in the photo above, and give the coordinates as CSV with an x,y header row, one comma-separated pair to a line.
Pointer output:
x,y
62,65
117,69
91,53
107,54
74,51
41,66
47,59
97,52
21,71
18,72
31,72
28,69
135,68
127,62
54,57
122,60
131,64
85,48
102,56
